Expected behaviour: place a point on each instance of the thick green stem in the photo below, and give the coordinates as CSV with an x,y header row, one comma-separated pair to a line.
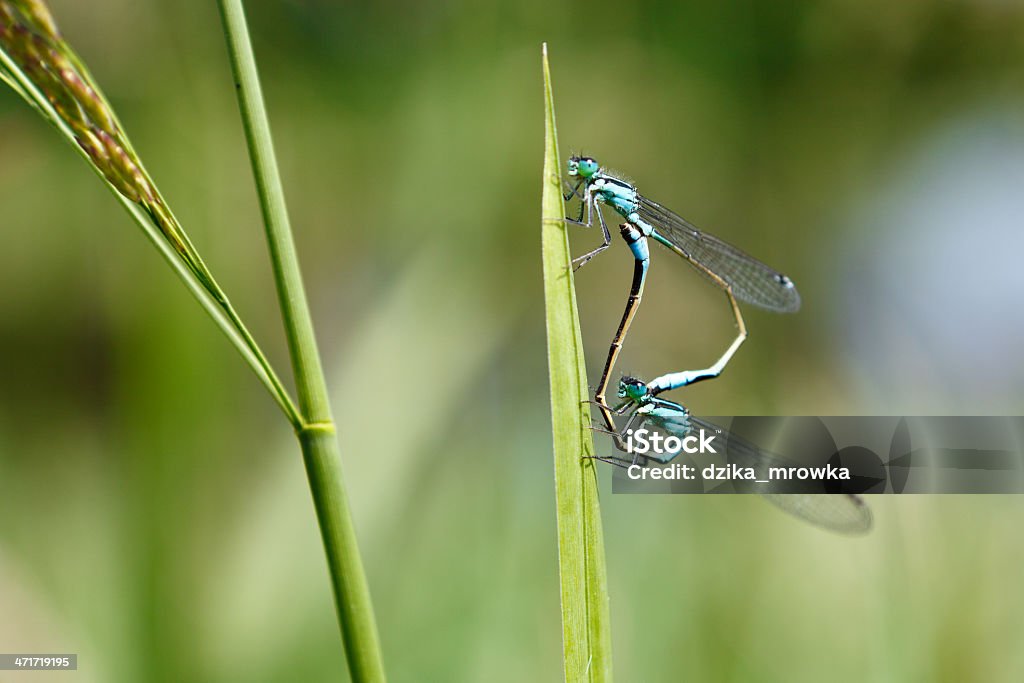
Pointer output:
x,y
317,438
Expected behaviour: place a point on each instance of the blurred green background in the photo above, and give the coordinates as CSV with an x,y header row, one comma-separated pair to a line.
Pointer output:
x,y
154,513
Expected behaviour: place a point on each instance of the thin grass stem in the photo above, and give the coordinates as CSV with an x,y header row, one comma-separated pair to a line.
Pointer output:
x,y
318,440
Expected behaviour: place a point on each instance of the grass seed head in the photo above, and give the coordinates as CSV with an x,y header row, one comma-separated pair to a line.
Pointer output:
x,y
31,40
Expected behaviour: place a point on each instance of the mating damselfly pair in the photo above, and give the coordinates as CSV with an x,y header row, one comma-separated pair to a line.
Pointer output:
x,y
738,275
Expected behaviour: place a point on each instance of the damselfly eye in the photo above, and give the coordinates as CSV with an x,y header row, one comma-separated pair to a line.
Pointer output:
x,y
588,166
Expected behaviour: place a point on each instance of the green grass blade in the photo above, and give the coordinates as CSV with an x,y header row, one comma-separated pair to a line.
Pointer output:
x,y
586,623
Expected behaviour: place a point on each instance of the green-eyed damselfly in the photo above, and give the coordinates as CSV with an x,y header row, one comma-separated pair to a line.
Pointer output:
x,y
740,276
842,512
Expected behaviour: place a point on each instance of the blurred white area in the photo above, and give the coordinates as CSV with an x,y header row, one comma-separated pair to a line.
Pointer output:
x,y
931,276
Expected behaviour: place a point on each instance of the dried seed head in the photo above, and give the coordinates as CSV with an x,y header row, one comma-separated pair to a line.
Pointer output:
x,y
94,106
6,17
39,15
30,39
91,143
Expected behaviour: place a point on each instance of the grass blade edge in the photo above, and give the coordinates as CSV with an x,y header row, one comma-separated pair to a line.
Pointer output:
x,y
586,623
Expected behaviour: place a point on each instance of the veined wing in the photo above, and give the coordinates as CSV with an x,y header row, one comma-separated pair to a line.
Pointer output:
x,y
751,280
843,512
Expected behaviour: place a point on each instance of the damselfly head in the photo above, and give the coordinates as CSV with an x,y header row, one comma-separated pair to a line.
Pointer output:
x,y
633,389
583,167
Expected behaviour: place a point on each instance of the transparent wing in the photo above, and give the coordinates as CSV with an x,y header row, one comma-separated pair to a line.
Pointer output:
x,y
751,280
843,512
